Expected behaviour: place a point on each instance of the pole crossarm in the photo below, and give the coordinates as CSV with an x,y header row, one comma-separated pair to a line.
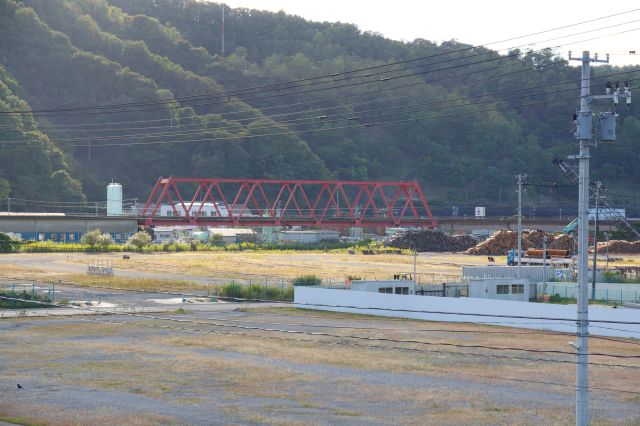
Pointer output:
x,y
270,202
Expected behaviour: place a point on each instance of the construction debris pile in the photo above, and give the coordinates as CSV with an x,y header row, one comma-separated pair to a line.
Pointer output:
x,y
620,246
433,241
503,241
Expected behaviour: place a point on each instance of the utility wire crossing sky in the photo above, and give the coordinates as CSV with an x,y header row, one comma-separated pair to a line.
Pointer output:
x,y
471,22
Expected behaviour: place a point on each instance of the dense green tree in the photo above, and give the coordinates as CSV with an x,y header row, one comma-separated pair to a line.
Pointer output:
x,y
139,240
461,128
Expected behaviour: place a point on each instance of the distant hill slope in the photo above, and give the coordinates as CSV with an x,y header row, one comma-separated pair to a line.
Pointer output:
x,y
462,121
30,165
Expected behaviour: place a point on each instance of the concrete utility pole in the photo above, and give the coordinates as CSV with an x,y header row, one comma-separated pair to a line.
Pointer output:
x,y
520,183
544,264
222,46
415,267
597,185
607,235
584,135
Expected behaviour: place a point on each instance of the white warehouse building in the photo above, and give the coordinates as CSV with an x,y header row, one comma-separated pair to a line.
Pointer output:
x,y
309,236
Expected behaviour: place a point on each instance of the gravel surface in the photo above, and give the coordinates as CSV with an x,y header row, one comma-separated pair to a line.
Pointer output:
x,y
79,371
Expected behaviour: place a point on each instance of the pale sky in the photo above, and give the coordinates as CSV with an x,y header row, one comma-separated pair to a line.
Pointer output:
x,y
479,22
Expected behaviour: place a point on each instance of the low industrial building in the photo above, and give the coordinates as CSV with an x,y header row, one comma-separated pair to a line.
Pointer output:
x,y
164,234
500,289
234,235
308,236
385,286
64,228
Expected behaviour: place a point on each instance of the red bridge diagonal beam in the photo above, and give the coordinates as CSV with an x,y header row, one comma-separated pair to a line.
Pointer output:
x,y
265,202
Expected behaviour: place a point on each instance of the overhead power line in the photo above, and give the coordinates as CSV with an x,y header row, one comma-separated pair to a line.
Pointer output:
x,y
292,132
349,117
87,109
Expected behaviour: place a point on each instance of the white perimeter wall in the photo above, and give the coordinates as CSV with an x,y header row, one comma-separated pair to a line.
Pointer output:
x,y
358,301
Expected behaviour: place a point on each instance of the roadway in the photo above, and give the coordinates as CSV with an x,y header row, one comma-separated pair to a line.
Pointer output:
x,y
41,223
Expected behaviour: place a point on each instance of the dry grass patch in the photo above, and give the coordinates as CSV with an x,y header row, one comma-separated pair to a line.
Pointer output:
x,y
50,415
133,283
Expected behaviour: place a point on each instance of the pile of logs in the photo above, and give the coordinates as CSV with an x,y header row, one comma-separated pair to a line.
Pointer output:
x,y
503,241
432,241
620,246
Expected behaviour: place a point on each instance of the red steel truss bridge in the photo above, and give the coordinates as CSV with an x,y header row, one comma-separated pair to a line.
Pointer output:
x,y
264,202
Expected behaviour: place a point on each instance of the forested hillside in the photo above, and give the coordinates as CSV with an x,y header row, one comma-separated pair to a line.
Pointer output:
x,y
460,120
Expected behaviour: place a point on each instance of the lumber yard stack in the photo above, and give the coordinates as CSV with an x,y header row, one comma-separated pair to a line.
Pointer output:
x,y
620,246
431,241
503,241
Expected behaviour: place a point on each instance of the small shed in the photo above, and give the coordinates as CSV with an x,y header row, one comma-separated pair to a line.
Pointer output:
x,y
163,234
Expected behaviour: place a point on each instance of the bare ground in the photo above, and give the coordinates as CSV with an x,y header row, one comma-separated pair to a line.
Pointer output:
x,y
128,370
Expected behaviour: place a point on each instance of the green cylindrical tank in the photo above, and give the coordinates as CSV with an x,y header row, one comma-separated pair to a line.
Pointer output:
x,y
200,236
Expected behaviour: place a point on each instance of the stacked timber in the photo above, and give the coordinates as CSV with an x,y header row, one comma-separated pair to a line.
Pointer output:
x,y
563,242
620,246
432,241
503,241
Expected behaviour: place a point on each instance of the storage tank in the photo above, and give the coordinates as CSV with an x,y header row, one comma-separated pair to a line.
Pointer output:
x,y
114,199
200,236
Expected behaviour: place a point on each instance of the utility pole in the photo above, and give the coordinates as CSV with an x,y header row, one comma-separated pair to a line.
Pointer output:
x,y
9,205
415,267
597,185
544,264
607,235
584,134
520,183
222,31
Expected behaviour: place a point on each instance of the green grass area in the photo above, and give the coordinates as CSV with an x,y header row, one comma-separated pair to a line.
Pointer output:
x,y
252,291
283,292
559,300
366,247
27,300
618,278
18,421
133,283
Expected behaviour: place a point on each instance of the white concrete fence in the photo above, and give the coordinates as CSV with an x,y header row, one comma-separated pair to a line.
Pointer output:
x,y
542,316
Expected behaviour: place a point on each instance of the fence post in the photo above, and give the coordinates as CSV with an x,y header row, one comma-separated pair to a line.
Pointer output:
x,y
33,291
620,296
607,295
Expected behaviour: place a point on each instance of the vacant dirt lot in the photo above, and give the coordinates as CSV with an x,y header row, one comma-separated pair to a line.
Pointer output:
x,y
255,266
224,367
220,267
